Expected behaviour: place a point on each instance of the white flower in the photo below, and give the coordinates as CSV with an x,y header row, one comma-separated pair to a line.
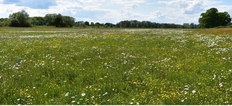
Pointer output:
x,y
193,91
83,94
66,94
105,93
220,84
214,76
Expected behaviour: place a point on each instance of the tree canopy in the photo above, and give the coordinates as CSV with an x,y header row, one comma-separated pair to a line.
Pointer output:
x,y
19,19
59,20
212,18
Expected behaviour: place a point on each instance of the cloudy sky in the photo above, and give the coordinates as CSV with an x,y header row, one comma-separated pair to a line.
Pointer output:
x,y
162,11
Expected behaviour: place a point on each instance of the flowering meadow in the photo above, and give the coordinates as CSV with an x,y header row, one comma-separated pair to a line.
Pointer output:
x,y
72,66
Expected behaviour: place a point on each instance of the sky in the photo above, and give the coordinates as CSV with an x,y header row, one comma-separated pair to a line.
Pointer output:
x,y
113,11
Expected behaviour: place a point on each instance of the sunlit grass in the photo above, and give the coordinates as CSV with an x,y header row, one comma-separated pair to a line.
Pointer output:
x,y
115,66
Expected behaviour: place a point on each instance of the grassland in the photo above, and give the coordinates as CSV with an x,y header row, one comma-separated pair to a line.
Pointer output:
x,y
115,66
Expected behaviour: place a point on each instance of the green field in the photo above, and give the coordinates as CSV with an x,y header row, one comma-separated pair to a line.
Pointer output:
x,y
46,65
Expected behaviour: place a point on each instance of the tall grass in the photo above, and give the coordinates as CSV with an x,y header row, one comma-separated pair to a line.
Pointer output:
x,y
115,66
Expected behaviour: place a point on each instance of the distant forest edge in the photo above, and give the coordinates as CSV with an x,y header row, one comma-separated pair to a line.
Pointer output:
x,y
22,19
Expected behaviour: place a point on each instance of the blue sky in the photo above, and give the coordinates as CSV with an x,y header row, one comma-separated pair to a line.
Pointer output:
x,y
162,11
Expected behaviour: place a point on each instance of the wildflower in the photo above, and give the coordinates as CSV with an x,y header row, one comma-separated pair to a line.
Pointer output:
x,y
66,94
105,93
193,91
230,70
214,76
186,88
73,101
83,94
220,84
124,62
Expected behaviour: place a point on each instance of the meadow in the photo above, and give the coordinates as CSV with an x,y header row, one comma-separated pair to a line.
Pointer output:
x,y
44,65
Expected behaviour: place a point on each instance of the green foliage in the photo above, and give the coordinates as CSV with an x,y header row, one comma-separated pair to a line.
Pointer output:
x,y
59,21
68,21
19,19
213,18
37,21
50,19
148,24
4,22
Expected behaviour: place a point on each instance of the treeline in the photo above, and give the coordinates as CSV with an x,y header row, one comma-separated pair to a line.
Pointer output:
x,y
22,19
134,24
148,24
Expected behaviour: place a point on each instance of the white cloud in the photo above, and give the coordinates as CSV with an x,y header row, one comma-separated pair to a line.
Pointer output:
x,y
122,2
128,4
129,15
156,15
133,6
194,7
189,6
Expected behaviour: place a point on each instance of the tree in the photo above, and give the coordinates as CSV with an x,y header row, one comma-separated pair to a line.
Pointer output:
x,y
80,24
225,18
4,22
49,19
213,18
59,20
37,21
86,23
19,19
98,24
68,21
